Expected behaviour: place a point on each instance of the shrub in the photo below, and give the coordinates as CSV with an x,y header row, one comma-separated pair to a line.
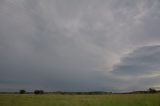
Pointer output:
x,y
38,92
22,91
152,90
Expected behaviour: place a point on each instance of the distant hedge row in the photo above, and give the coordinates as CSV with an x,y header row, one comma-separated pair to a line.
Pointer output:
x,y
38,92
150,90
35,92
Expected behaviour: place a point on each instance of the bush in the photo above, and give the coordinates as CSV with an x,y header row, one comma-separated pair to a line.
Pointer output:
x,y
38,92
22,91
152,90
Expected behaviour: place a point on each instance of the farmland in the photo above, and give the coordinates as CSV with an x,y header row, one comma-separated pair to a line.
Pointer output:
x,y
80,100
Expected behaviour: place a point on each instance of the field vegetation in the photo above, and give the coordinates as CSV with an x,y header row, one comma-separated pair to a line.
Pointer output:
x,y
80,100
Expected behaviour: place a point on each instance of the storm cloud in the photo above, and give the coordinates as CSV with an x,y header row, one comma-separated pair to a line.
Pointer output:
x,y
79,45
144,60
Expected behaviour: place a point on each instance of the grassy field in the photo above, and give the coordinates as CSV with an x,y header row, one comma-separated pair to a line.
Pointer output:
x,y
80,100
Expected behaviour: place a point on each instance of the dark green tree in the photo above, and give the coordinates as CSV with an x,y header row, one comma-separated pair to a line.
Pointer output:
x,y
152,90
38,92
22,91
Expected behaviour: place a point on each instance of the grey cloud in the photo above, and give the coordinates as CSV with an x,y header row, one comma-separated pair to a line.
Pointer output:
x,y
142,61
74,45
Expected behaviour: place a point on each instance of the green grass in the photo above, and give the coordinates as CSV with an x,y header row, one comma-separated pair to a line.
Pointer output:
x,y
80,100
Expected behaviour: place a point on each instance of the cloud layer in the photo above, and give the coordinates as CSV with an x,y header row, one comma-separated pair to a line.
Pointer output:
x,y
79,45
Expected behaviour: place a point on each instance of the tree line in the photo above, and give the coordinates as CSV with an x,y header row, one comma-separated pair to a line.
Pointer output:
x,y
150,90
35,91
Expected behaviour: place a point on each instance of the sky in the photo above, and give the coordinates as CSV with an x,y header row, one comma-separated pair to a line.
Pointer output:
x,y
79,45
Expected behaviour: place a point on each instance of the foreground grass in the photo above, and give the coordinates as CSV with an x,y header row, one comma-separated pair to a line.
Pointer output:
x,y
80,100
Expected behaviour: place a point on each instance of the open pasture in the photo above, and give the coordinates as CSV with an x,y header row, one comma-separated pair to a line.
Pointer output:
x,y
80,100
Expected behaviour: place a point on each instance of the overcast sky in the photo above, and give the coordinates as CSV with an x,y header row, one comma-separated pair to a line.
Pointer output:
x,y
79,45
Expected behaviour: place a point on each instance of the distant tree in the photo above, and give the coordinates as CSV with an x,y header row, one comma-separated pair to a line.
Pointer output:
x,y
22,91
152,90
38,92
